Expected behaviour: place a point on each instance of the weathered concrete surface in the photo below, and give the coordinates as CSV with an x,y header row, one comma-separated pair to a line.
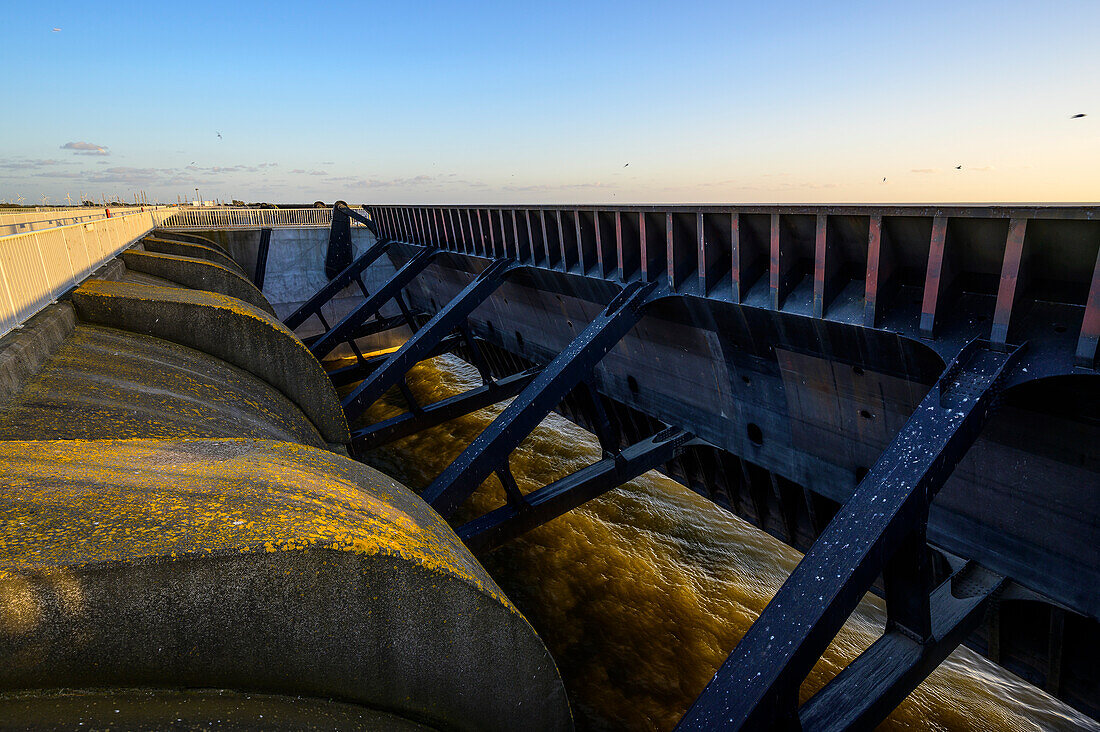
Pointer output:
x,y
106,383
23,351
198,274
153,710
257,566
224,327
194,251
188,236
296,270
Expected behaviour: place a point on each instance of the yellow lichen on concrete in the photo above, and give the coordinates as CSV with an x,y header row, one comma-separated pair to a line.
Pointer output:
x,y
106,383
71,503
227,328
201,274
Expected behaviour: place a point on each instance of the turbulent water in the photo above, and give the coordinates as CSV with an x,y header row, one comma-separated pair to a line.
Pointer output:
x,y
641,594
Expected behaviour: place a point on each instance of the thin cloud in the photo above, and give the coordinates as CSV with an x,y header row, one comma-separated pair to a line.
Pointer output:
x,y
25,164
85,148
559,186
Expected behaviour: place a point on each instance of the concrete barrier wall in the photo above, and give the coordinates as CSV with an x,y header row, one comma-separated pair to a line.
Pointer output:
x,y
296,270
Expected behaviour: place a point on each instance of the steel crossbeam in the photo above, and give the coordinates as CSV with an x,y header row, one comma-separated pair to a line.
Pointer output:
x,y
351,274
507,522
371,225
489,451
453,315
365,366
342,331
379,325
869,688
442,411
757,686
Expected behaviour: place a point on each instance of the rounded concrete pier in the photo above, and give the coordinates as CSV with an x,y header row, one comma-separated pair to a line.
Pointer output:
x,y
256,566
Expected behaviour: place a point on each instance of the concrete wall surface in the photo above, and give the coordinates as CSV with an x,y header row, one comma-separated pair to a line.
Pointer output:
x,y
255,566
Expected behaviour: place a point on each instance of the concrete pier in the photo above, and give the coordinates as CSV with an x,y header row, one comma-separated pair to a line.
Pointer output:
x,y
179,513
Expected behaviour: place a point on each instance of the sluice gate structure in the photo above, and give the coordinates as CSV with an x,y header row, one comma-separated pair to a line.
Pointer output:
x,y
908,394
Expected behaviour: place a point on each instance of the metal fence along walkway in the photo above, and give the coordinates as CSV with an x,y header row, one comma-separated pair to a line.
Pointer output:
x,y
38,266
199,219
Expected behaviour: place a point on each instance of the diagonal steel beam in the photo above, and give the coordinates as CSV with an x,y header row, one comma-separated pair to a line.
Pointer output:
x,y
868,689
417,348
337,283
496,527
369,223
360,369
490,450
442,411
757,686
343,330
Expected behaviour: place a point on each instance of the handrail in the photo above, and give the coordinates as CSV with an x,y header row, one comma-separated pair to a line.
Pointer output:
x,y
36,267
250,218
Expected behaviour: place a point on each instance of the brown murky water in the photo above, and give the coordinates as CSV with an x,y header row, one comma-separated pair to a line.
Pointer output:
x,y
641,594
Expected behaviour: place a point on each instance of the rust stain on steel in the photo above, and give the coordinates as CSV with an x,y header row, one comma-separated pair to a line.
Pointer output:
x,y
933,276
619,244
820,242
735,255
774,261
1010,276
1090,326
871,284
670,254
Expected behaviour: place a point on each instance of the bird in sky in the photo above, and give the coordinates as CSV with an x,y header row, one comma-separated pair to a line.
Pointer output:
x,y
958,167
218,134
626,165
883,180
58,30
1076,116
192,162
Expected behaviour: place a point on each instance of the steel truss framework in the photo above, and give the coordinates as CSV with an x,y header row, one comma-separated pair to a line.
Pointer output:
x,y
880,530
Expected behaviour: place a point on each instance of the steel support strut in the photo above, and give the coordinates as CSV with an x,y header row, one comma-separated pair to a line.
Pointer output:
x,y
420,345
442,411
343,331
489,451
338,256
352,213
351,274
757,687
496,527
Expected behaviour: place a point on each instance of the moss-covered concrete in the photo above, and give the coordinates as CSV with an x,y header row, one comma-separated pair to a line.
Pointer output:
x,y
205,241
257,566
26,349
195,251
225,327
198,274
106,383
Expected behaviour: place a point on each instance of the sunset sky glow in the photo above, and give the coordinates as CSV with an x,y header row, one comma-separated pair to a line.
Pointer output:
x,y
553,102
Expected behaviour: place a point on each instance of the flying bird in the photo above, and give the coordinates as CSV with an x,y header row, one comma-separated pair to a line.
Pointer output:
x,y
883,180
626,165
958,167
58,30
218,134
1076,116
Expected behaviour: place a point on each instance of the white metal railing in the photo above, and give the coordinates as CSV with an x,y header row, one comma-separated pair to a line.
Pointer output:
x,y
37,266
249,218
18,222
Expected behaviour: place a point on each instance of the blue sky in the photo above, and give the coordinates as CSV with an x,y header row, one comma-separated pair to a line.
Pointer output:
x,y
557,102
